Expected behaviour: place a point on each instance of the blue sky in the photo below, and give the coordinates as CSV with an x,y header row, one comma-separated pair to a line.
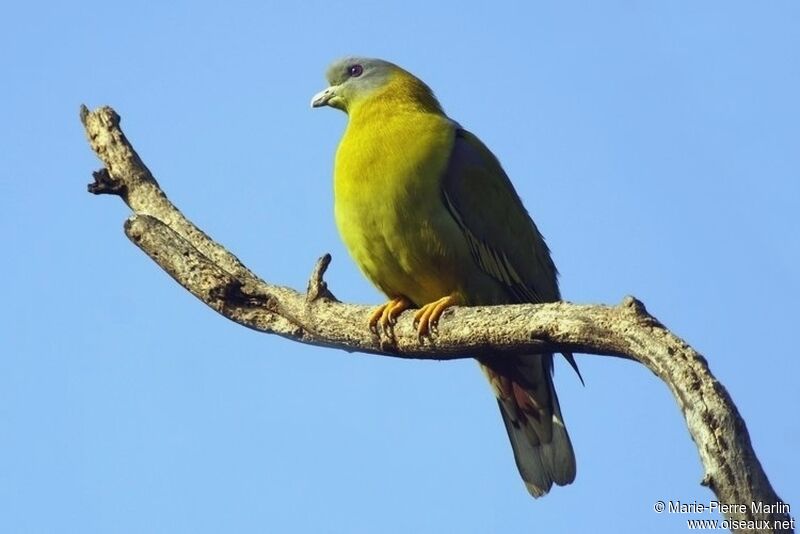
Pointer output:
x,y
655,144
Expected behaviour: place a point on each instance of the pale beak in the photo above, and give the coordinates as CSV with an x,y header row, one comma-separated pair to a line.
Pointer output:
x,y
323,97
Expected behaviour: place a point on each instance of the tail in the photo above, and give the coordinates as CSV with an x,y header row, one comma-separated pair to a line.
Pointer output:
x,y
530,410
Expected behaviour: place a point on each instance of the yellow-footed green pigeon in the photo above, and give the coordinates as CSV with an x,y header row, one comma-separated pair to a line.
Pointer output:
x,y
431,218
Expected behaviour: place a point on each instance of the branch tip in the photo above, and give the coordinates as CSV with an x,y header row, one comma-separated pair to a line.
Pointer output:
x,y
317,287
110,117
132,228
84,114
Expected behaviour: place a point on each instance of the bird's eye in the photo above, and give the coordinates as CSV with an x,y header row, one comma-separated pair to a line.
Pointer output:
x,y
355,71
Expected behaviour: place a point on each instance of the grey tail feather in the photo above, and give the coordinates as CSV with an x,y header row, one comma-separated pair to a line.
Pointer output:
x,y
542,464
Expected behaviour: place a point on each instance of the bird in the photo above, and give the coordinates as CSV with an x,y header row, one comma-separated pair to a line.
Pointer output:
x,y
430,217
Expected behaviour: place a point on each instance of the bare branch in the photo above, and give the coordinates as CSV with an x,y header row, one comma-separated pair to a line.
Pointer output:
x,y
221,281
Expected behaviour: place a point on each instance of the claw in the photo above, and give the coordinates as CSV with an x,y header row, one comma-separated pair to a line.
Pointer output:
x,y
426,320
387,314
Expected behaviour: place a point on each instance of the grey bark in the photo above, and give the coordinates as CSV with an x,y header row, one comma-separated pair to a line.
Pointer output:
x,y
215,276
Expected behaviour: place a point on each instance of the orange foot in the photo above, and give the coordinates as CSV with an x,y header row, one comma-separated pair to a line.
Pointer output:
x,y
427,318
387,314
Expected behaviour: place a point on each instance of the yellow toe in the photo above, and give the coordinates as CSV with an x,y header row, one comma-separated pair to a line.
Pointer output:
x,y
427,318
386,314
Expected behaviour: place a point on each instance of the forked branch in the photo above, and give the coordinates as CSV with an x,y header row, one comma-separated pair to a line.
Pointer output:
x,y
221,281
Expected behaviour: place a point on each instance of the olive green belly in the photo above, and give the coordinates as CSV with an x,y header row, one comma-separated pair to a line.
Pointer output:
x,y
404,250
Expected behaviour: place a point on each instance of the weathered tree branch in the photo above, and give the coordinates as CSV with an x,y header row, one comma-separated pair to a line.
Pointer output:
x,y
220,280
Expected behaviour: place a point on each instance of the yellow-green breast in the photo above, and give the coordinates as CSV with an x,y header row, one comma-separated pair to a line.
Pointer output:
x,y
388,199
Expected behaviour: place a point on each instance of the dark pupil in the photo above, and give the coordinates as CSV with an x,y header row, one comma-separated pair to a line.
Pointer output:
x,y
356,70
